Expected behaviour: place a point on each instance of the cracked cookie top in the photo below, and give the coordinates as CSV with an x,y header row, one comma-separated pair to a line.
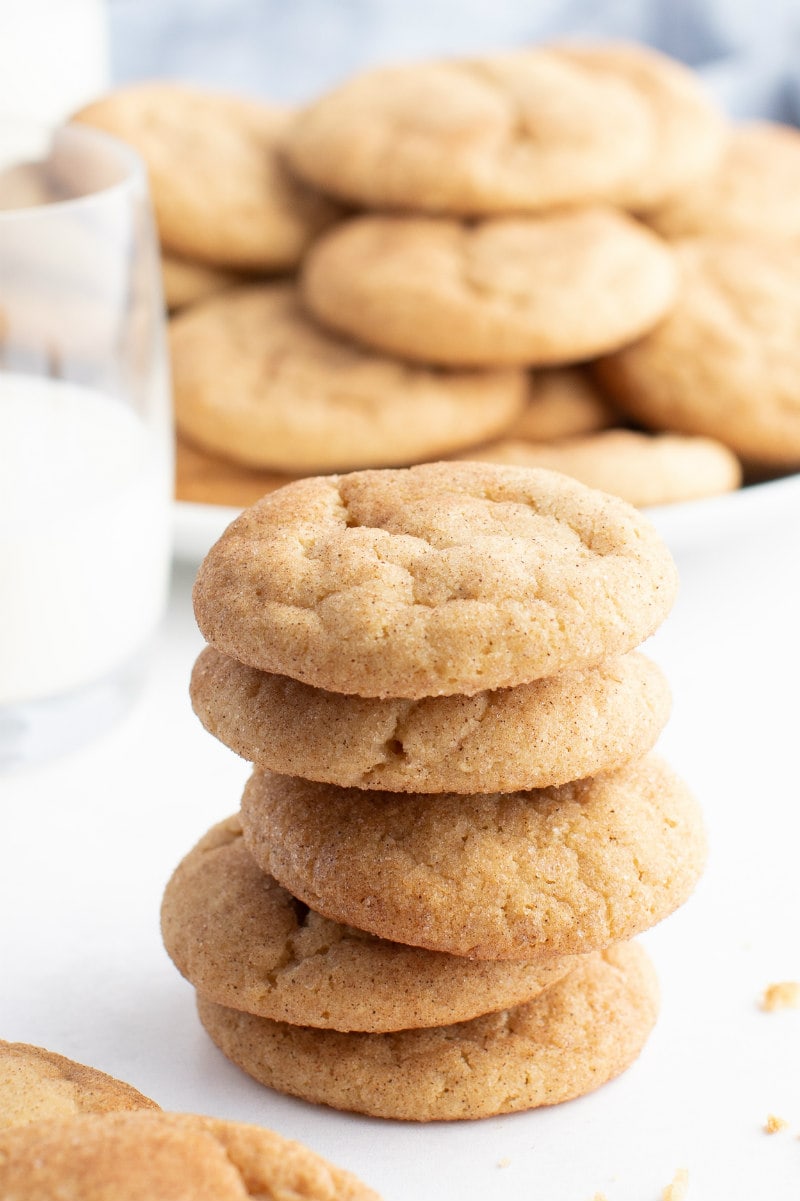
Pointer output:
x,y
448,578
245,942
512,132
164,1157
521,875
507,291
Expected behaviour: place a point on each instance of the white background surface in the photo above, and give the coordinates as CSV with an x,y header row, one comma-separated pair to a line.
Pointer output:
x,y
88,842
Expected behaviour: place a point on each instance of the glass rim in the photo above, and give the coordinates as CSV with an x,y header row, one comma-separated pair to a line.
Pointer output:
x,y
135,170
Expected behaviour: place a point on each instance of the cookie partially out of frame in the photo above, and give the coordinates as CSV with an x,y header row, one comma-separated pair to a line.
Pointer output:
x,y
448,578
548,732
554,288
644,469
573,1037
246,943
221,191
257,380
521,875
506,133
725,363
164,1157
37,1084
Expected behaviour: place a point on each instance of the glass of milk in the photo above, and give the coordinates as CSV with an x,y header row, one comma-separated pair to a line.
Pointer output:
x,y
85,436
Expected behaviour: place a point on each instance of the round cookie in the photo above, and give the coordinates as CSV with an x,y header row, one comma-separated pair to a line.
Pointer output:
x,y
206,479
164,1157
575,1036
752,193
644,469
688,133
256,380
493,293
726,362
36,1084
564,403
448,578
507,133
221,192
254,947
548,732
186,282
519,875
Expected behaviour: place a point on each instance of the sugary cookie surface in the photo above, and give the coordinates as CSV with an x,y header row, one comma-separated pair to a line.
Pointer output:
x,y
441,579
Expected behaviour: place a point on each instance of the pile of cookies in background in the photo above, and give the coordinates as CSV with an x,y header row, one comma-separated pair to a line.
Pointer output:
x,y
455,825
457,233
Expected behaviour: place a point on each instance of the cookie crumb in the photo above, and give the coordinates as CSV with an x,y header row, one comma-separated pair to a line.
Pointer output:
x,y
503,1163
785,995
677,1190
599,1197
773,1124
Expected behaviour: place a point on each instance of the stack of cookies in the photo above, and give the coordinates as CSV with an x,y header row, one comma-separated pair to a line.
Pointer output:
x,y
454,826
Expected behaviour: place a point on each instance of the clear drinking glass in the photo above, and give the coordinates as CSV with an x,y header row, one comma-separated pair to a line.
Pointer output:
x,y
85,436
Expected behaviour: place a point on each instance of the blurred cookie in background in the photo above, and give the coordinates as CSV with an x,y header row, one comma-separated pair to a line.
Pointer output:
x,y
688,132
753,192
221,192
725,363
186,282
542,290
564,402
258,381
644,469
512,132
205,479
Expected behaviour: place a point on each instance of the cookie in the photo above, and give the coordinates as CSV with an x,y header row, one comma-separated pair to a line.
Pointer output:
x,y
37,1084
752,193
186,282
492,293
564,402
519,875
256,380
575,1036
548,732
164,1157
221,191
246,943
688,132
507,133
206,479
644,469
448,578
726,362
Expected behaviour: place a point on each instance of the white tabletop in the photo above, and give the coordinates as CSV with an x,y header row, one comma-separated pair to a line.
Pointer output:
x,y
88,842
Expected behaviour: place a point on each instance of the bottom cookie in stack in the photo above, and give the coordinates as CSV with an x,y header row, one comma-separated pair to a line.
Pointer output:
x,y
329,1013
